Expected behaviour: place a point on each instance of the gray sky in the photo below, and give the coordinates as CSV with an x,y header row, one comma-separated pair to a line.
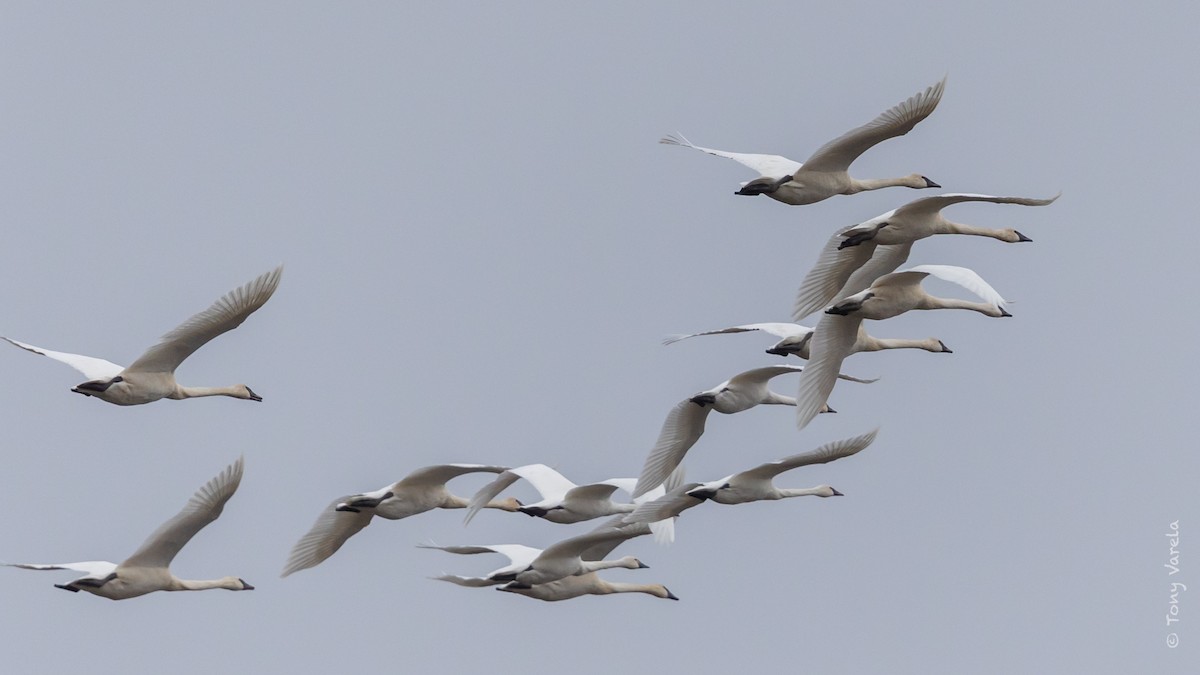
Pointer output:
x,y
484,247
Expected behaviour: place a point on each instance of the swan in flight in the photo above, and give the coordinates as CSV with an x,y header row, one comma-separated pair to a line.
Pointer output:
x,y
824,174
795,339
147,570
562,500
882,244
685,423
566,558
418,492
152,375
889,296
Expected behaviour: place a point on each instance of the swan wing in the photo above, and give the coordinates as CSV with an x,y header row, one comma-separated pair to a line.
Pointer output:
x,y
825,453
469,582
326,536
830,273
224,315
885,260
91,367
680,431
575,547
519,556
962,276
667,506
830,344
550,484
772,166
838,154
95,569
204,507
927,206
600,550
437,475
781,330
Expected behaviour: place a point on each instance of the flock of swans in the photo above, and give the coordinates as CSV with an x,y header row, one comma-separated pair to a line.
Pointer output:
x,y
854,279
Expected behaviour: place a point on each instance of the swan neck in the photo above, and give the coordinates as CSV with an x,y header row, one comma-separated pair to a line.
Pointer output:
x,y
876,184
182,392
204,584
778,399
947,227
797,492
624,587
952,303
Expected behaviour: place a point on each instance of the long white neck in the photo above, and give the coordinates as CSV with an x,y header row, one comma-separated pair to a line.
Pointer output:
x,y
778,399
912,181
182,392
872,344
798,492
594,565
946,227
657,590
228,583
932,302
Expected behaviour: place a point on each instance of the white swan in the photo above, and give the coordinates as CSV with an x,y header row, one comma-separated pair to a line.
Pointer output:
x,y
152,375
565,558
585,584
562,500
890,295
853,247
685,423
147,570
824,174
418,492
757,484
795,339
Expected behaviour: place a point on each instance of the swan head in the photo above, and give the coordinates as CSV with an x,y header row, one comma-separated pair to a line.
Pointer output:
x,y
827,491
763,185
662,592
242,582
937,346
923,182
247,393
999,312
1014,237
633,563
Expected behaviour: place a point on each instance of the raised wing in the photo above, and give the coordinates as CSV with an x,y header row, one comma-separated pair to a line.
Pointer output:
x,y
91,367
670,505
830,344
826,453
548,482
830,273
838,154
224,315
204,507
576,546
326,536
781,330
927,206
432,476
680,431
962,276
772,166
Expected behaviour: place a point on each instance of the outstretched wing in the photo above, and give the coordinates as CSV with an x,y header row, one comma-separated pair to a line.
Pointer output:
x,y
830,344
680,431
826,453
94,569
204,507
91,367
781,330
838,154
548,482
326,536
962,276
772,166
224,315
927,206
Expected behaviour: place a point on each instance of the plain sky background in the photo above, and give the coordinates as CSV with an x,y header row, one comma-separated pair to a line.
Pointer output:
x,y
484,247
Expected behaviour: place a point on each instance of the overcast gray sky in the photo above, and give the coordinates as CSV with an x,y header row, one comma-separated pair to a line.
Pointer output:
x,y
484,246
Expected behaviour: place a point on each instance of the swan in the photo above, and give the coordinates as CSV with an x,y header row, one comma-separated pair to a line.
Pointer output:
x,y
586,584
148,569
563,589
685,423
152,375
565,558
562,500
418,492
795,339
854,247
753,485
824,174
890,295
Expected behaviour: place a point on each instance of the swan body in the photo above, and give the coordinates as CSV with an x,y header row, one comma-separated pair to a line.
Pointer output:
x,y
795,339
562,501
685,423
890,295
884,242
152,376
418,492
147,570
825,173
